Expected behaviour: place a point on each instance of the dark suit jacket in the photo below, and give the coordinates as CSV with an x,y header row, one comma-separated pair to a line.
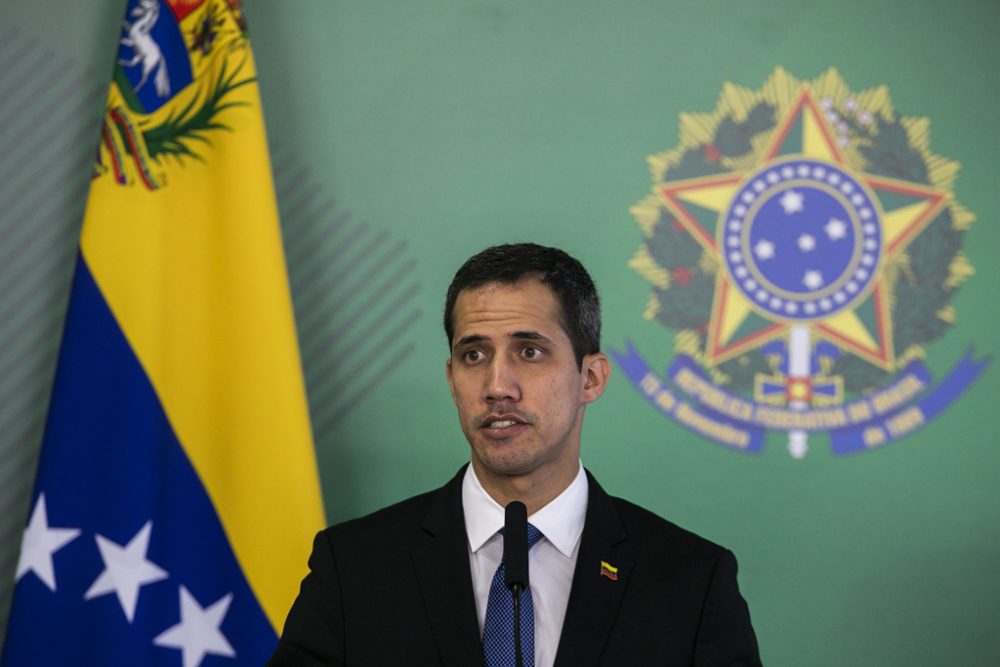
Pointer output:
x,y
395,588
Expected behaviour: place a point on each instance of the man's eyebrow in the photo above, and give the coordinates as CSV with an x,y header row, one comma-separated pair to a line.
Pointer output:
x,y
469,340
528,335
473,339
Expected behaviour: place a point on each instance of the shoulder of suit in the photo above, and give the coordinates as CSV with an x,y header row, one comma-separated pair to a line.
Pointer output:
x,y
392,520
656,532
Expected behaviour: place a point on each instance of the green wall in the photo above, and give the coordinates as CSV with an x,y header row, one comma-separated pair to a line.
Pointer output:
x,y
407,135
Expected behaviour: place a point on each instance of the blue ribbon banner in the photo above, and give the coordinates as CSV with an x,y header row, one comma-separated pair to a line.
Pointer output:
x,y
908,402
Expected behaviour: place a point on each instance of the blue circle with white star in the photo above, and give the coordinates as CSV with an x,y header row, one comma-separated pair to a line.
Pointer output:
x,y
802,239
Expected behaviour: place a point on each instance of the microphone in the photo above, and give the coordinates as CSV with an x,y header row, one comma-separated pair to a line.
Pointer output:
x,y
515,559
515,545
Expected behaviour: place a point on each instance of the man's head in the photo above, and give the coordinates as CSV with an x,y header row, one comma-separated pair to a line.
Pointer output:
x,y
580,315
518,375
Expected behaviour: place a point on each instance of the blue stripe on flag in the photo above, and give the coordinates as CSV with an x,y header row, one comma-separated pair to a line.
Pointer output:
x,y
110,464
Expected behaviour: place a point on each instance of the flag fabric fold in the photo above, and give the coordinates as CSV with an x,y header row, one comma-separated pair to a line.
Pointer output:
x,y
177,491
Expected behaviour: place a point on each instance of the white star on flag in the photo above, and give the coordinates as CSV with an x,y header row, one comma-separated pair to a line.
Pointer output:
x,y
125,570
198,632
764,249
806,242
792,202
40,542
812,279
835,229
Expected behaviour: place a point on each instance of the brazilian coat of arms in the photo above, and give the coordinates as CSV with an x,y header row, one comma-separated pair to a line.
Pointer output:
x,y
804,246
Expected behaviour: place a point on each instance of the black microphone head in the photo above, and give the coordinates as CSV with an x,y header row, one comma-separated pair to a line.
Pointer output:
x,y
515,545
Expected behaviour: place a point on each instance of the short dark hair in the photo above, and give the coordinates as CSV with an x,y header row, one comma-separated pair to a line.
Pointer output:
x,y
565,276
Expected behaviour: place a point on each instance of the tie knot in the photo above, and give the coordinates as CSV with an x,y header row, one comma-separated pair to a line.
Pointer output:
x,y
533,535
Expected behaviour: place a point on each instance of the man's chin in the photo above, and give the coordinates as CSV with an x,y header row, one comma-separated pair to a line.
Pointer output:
x,y
504,464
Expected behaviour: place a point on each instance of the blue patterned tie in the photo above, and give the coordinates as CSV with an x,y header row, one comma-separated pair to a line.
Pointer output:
x,y
498,629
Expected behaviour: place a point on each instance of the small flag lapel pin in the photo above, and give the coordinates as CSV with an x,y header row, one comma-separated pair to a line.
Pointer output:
x,y
608,570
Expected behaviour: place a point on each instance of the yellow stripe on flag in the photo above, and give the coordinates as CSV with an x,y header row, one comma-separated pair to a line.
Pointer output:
x,y
194,272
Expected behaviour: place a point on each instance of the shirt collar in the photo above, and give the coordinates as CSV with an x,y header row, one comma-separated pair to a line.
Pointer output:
x,y
561,521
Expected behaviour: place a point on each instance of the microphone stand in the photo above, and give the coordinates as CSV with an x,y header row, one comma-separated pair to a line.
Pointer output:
x,y
518,658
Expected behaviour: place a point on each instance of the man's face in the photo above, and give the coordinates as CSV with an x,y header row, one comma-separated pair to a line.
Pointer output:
x,y
515,381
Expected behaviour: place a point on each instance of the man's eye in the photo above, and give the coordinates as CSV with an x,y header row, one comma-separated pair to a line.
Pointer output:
x,y
531,353
473,355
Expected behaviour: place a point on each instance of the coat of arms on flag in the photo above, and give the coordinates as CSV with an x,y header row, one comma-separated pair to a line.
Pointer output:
x,y
804,246
177,492
178,61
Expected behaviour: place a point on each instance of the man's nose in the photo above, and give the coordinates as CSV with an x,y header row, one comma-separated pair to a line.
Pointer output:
x,y
501,382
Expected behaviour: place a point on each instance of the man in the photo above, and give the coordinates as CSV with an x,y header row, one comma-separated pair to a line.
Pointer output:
x,y
610,583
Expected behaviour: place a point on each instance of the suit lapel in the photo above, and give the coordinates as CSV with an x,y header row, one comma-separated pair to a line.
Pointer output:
x,y
441,558
596,592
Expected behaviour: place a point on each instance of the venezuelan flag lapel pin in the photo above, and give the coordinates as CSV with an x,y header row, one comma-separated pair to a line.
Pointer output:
x,y
608,570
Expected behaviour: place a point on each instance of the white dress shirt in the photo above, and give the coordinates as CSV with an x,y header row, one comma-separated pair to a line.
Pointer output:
x,y
550,562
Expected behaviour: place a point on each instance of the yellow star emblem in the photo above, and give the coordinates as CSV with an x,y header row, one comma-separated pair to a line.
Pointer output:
x,y
738,323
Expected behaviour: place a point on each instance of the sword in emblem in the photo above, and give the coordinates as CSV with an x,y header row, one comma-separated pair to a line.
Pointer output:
x,y
799,375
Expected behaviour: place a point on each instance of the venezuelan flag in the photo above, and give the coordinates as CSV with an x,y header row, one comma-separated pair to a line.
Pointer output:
x,y
177,492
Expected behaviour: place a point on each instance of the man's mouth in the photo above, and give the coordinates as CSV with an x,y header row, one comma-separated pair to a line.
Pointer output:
x,y
500,422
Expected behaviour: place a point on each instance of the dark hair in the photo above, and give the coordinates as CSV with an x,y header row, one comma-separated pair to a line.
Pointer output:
x,y
565,276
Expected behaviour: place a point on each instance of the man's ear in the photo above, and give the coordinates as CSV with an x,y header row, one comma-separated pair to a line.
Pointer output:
x,y
451,381
596,371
